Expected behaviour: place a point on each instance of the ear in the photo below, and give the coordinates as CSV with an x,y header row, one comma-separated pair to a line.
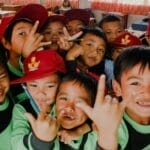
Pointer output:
x,y
116,87
6,44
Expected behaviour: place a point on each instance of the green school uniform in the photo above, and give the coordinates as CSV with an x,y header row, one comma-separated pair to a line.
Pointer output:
x,y
22,131
6,124
16,89
133,135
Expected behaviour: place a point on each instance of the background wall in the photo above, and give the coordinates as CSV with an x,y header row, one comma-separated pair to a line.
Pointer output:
x,y
98,14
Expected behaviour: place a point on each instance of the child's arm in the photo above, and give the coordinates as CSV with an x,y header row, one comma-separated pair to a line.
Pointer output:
x,y
68,136
106,114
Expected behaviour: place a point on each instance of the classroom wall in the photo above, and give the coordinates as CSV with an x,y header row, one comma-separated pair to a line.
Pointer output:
x,y
98,13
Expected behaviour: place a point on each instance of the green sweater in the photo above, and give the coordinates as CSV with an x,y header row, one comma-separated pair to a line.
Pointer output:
x,y
133,135
6,124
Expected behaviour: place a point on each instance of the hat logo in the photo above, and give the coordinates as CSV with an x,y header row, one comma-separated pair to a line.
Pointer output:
x,y
125,40
33,65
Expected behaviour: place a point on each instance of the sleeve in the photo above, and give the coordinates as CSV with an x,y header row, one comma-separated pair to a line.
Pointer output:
x,y
39,144
20,129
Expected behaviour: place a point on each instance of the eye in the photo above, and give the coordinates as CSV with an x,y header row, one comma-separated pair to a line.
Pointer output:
x,y
108,32
62,98
135,83
60,33
32,85
89,44
101,50
22,33
47,33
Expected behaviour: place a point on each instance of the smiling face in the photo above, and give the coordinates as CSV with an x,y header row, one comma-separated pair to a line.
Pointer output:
x,y
68,114
43,90
135,89
19,35
94,50
4,84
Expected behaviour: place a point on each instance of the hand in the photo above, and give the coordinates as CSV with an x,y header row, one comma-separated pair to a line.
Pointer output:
x,y
74,52
33,41
44,127
106,114
66,42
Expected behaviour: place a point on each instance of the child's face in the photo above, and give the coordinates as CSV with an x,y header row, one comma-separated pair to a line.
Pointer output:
x,y
52,33
135,89
69,116
117,51
75,26
112,30
43,90
4,84
19,35
94,49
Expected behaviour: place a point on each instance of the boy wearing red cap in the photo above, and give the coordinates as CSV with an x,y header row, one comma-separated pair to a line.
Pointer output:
x,y
77,20
126,39
19,38
42,74
73,89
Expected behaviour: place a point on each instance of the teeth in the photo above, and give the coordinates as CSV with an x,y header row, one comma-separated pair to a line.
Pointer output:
x,y
144,103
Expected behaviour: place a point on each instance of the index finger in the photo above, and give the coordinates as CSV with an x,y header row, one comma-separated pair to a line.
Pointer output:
x,y
34,28
75,36
100,90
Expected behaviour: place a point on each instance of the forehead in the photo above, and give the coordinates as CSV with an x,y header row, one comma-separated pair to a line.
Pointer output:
x,y
112,25
22,24
138,72
93,37
75,22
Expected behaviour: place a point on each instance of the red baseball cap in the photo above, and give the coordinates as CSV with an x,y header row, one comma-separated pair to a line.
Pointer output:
x,y
4,24
126,39
78,14
60,18
30,12
41,64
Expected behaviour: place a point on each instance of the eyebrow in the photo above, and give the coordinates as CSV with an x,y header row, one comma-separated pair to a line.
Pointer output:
x,y
134,77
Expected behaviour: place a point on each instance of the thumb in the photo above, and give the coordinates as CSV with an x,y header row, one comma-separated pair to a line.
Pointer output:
x,y
86,108
31,119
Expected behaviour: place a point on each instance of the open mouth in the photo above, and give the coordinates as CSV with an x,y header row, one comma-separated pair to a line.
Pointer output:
x,y
144,104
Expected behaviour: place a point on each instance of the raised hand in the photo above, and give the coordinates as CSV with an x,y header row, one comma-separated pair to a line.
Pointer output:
x,y
106,114
66,42
33,41
44,127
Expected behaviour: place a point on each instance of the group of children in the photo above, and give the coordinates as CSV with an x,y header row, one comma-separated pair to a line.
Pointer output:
x,y
64,85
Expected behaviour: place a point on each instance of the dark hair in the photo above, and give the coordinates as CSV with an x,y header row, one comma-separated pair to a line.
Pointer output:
x,y
109,18
3,58
131,57
95,31
83,80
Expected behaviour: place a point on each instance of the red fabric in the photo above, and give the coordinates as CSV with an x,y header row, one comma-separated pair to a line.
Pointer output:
x,y
40,64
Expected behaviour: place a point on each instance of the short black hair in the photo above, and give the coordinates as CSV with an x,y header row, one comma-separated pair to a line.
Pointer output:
x,y
131,57
109,18
84,80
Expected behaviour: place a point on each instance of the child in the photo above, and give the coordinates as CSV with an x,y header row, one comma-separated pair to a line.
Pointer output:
x,y
77,20
53,30
6,106
132,83
74,88
112,26
43,70
14,37
124,40
88,55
